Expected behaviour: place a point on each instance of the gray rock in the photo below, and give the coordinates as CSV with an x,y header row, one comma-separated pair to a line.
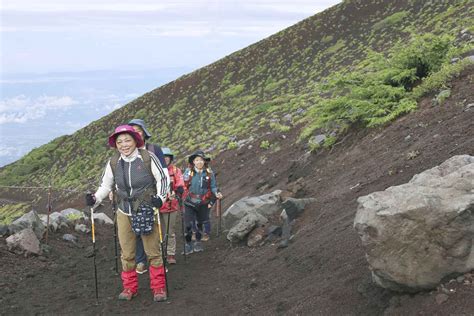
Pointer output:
x,y
3,230
56,220
295,207
469,107
81,228
454,60
70,237
24,241
441,298
417,233
72,214
288,117
266,205
318,139
244,226
102,218
29,220
471,58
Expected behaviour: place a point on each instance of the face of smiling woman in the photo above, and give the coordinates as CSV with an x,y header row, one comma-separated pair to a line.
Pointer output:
x,y
125,144
198,163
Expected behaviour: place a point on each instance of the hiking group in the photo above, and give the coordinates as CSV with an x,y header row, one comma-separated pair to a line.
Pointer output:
x,y
150,191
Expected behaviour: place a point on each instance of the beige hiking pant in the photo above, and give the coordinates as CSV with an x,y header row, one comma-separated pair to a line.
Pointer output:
x,y
127,239
171,250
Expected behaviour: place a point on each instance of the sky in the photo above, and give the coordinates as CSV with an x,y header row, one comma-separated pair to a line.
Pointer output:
x,y
65,63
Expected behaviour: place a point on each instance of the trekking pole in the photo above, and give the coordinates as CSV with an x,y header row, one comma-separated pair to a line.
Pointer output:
x,y
219,216
163,256
180,200
49,211
93,255
114,209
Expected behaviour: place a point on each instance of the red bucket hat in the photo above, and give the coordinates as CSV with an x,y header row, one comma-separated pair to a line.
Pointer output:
x,y
125,129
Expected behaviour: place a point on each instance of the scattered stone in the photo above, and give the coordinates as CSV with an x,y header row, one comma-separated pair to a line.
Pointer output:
x,y
29,220
288,117
413,154
102,218
253,283
437,200
300,111
81,228
318,140
441,298
408,137
25,242
460,279
70,237
469,107
470,58
454,60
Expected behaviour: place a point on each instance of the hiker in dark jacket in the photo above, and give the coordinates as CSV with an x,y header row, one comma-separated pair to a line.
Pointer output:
x,y
141,184
140,127
201,192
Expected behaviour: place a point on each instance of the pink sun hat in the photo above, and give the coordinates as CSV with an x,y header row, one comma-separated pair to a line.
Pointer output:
x,y
125,129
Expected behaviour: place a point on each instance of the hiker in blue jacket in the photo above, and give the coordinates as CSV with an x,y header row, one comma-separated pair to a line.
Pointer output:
x,y
200,194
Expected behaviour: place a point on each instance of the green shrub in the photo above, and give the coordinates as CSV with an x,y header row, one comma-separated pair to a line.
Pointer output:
x,y
233,91
232,145
391,20
265,144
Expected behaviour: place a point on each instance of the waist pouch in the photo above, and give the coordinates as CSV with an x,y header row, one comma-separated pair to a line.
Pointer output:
x,y
143,219
194,201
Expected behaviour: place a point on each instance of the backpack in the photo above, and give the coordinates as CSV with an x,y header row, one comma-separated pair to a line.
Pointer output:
x,y
143,152
158,153
208,196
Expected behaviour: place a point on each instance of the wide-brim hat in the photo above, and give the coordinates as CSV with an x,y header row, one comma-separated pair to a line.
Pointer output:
x,y
140,123
125,129
197,153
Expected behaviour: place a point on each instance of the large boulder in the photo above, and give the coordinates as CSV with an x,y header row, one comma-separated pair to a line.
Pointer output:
x,y
24,241
29,220
265,205
418,233
74,216
56,220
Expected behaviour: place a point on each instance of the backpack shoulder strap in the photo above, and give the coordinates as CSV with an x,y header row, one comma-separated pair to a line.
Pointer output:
x,y
146,159
114,161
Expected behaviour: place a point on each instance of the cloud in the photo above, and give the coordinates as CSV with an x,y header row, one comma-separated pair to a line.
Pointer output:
x,y
21,109
7,151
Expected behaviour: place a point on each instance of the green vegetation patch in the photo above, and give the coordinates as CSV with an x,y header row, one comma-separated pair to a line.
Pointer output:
x,y
391,20
10,212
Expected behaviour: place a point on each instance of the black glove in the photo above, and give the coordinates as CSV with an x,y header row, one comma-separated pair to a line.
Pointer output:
x,y
156,202
180,191
90,199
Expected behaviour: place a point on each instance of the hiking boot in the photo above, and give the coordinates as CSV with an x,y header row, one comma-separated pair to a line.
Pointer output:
x,y
205,237
188,249
127,295
141,268
159,295
171,259
198,246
